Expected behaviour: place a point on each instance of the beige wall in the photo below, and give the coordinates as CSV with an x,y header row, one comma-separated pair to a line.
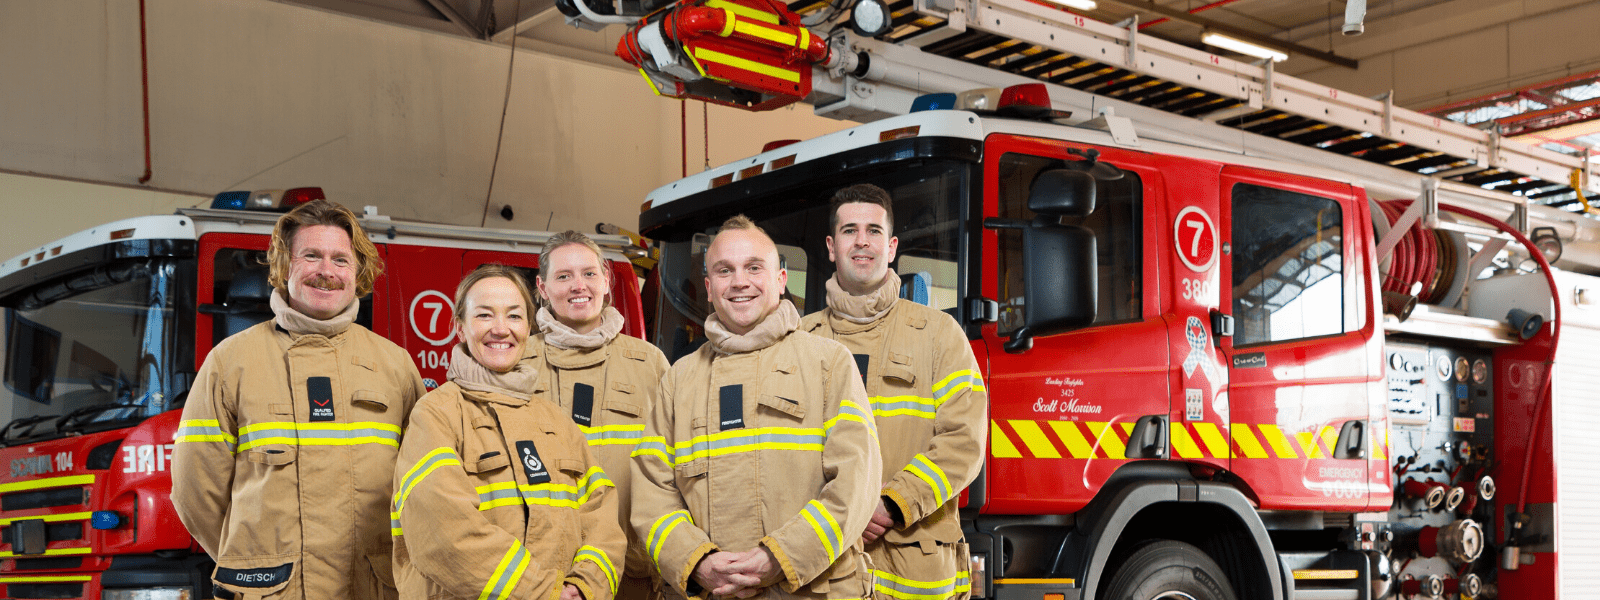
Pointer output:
x,y
1432,53
252,94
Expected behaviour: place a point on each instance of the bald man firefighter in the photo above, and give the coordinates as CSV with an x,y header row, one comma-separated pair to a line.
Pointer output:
x,y
758,468
927,396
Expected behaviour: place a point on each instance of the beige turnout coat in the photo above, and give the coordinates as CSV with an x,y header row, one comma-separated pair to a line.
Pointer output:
x,y
931,407
284,459
776,447
498,497
620,378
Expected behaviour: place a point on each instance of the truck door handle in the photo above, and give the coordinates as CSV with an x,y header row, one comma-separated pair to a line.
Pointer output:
x,y
1352,440
1149,438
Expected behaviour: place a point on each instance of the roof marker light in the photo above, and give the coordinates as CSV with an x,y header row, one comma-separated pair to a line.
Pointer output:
x,y
933,102
1028,101
231,200
981,99
297,196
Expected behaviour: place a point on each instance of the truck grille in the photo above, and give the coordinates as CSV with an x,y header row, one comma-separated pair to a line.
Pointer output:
x,y
53,532
53,563
67,496
44,590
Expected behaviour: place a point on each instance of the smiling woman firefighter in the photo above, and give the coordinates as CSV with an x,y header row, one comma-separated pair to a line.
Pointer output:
x,y
600,378
496,493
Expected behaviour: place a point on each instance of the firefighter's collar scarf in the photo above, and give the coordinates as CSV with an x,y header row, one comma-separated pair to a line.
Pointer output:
x,y
867,308
472,376
778,324
299,323
558,334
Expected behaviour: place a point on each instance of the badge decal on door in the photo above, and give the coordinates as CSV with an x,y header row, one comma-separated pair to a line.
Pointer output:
x,y
1194,237
1194,405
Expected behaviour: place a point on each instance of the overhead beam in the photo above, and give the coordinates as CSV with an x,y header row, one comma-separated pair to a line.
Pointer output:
x,y
539,15
449,11
1231,31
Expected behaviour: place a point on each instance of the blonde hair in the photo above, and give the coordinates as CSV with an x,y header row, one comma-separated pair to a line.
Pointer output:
x,y
322,212
566,238
491,271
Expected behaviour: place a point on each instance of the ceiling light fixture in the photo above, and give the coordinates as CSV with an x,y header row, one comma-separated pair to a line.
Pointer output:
x,y
1242,47
1078,4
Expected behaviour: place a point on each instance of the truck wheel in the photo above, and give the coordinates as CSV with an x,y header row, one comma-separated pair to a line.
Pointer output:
x,y
1169,570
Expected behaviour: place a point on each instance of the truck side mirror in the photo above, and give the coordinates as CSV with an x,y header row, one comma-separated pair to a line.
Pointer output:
x,y
1062,193
1059,286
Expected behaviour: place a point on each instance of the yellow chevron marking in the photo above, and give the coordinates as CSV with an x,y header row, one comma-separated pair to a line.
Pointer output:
x,y
1183,443
1248,443
707,54
1380,445
1308,443
1280,444
1106,437
1211,436
1000,445
1073,439
1330,438
766,33
744,11
1034,438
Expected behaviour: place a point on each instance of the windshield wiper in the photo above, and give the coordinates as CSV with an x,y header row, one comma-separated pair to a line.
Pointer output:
x,y
77,421
21,430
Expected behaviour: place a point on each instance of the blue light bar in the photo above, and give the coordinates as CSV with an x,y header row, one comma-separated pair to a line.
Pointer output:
x,y
933,102
231,200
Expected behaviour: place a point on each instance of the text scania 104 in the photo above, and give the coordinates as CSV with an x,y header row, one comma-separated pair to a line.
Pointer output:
x,y
104,331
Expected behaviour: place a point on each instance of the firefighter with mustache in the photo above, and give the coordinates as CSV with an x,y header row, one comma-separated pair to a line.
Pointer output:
x,y
287,445
927,395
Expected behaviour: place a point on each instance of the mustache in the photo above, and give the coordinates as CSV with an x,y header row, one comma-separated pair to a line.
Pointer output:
x,y
325,282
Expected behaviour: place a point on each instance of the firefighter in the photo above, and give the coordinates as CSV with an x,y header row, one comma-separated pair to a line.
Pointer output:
x,y
759,468
288,438
602,379
496,492
927,396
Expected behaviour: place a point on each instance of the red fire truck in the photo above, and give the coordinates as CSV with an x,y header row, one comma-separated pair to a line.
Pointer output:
x,y
1209,374
1244,335
104,331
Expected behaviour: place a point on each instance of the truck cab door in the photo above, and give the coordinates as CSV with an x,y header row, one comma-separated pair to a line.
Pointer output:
x,y
1061,412
1303,356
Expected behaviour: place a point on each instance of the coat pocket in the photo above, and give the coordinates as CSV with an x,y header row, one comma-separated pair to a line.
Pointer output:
x,y
900,368
783,405
370,400
259,576
272,455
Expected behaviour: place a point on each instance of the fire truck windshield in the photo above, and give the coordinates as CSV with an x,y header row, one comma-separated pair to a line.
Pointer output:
x,y
929,203
89,352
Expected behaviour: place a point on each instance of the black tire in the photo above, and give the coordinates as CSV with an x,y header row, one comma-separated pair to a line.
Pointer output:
x,y
1169,570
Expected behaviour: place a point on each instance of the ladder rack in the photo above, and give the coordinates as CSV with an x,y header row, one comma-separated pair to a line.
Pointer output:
x,y
950,45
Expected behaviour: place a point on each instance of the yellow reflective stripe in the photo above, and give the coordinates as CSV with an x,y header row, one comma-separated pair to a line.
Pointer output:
x,y
661,529
748,440
1275,438
766,33
1034,439
318,434
1308,442
1247,442
957,381
1211,436
48,482
1105,436
81,516
832,538
1000,445
805,38
931,474
1077,445
592,482
202,430
496,495
438,458
55,552
1182,443
596,556
652,445
895,406
744,11
710,55
46,579
650,81
911,589
729,22
501,582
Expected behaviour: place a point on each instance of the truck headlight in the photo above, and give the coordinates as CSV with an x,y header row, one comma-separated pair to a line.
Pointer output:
x,y
147,594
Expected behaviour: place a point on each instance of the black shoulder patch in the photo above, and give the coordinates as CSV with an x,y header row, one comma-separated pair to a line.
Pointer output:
x,y
263,577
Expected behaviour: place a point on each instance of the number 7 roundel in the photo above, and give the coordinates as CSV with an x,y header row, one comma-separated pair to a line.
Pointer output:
x,y
1194,238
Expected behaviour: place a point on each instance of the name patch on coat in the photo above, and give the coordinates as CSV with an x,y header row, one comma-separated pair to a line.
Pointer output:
x,y
320,391
732,407
583,404
861,365
263,577
531,465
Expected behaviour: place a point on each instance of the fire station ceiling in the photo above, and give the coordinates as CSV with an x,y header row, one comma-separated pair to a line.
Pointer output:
x,y
1560,113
